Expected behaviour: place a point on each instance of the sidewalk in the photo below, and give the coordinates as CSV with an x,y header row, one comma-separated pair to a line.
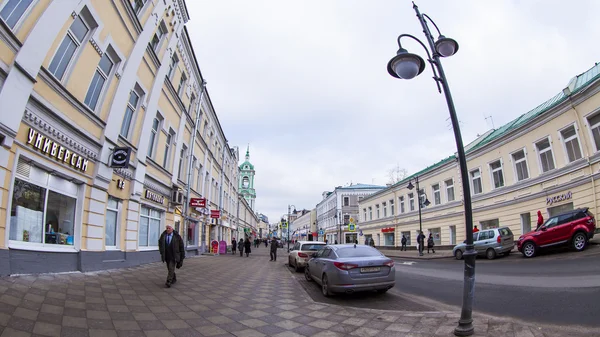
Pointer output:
x,y
414,254
215,296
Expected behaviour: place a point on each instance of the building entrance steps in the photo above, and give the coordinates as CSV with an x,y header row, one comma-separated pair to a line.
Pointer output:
x,y
225,295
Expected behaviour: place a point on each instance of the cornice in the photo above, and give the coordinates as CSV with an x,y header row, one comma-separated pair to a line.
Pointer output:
x,y
157,186
9,38
131,15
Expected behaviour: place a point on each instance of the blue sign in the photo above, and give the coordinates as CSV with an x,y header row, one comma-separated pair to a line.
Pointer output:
x,y
320,232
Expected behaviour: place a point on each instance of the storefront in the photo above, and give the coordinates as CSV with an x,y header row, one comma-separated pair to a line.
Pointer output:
x,y
388,236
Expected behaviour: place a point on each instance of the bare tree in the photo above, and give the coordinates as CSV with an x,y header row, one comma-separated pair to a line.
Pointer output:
x,y
396,174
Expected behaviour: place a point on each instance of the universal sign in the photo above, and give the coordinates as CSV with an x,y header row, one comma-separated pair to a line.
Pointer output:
x,y
56,151
558,198
155,197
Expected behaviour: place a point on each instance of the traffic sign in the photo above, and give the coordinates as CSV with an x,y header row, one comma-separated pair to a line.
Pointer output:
x,y
351,220
352,227
321,232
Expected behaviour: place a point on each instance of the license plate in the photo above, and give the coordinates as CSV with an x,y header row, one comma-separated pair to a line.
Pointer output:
x,y
370,270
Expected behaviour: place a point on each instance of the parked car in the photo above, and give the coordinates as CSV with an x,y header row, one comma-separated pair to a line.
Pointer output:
x,y
489,243
574,228
301,253
350,268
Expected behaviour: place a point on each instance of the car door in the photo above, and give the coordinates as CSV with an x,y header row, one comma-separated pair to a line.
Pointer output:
x,y
316,267
546,232
563,229
481,242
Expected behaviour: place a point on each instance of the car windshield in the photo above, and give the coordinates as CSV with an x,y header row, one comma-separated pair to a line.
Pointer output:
x,y
505,231
312,247
357,252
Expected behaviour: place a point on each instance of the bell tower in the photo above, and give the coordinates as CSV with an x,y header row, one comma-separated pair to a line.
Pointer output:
x,y
246,180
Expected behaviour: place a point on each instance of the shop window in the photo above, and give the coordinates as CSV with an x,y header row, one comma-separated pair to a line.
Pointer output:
x,y
571,143
437,197
497,175
552,211
389,239
41,215
407,235
13,11
546,157
476,181
520,162
103,72
436,234
149,227
449,190
112,221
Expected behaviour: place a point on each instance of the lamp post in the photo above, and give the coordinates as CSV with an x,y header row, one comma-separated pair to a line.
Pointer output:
x,y
426,203
406,66
288,225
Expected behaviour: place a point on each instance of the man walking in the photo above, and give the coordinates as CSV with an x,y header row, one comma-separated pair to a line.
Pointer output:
x,y
172,252
403,241
273,250
421,241
233,246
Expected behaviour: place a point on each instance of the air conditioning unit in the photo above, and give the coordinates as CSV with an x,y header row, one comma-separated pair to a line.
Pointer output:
x,y
177,197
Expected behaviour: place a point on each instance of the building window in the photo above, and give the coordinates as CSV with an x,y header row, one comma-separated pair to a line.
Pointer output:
x,y
546,157
199,180
153,135
370,213
346,219
41,215
377,211
346,201
112,221
422,197
172,66
411,201
100,76
132,105
520,162
166,157
392,207
191,175
156,41
191,106
13,11
437,198
181,87
364,214
476,181
402,204
496,172
449,190
594,122
182,161
76,35
384,209
138,5
149,227
571,142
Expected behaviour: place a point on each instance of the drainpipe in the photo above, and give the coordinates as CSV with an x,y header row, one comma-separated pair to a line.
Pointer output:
x,y
221,190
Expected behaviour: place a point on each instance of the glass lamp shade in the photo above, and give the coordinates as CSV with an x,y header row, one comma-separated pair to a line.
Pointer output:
x,y
406,65
445,46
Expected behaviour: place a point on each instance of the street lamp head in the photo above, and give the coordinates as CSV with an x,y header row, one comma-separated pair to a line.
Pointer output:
x,y
410,185
446,46
405,65
426,203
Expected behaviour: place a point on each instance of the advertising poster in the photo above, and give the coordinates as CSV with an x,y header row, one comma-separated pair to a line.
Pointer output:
x,y
222,247
214,247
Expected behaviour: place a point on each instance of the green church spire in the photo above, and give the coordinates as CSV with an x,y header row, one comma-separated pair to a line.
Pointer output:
x,y
246,180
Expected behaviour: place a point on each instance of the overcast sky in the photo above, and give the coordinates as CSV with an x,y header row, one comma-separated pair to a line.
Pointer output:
x,y
305,82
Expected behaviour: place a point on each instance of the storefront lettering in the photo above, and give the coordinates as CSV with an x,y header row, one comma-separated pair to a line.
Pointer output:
x,y
558,198
154,197
54,150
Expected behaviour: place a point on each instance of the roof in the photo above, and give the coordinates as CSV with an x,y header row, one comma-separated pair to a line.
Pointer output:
x,y
360,186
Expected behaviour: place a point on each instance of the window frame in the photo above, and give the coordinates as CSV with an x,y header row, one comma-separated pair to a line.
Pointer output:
x,y
168,149
139,93
154,245
471,182
118,222
453,191
591,128
411,202
346,201
384,207
182,162
23,16
182,83
154,135
112,57
515,162
437,201
78,44
162,28
539,158
370,213
492,171
392,207
564,142
141,9
402,207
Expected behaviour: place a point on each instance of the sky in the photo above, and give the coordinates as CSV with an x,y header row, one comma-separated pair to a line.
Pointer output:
x,y
305,83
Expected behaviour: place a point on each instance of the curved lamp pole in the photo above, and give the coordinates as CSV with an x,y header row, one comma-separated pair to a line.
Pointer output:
x,y
406,66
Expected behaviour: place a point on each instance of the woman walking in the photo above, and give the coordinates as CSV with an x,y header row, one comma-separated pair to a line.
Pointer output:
x,y
430,243
241,247
247,246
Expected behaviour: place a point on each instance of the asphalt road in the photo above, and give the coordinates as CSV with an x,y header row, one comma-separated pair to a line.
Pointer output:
x,y
559,287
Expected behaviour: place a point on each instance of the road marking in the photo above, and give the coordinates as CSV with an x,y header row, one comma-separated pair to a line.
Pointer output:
x,y
408,263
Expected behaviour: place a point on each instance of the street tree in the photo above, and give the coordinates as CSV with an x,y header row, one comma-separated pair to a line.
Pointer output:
x,y
396,174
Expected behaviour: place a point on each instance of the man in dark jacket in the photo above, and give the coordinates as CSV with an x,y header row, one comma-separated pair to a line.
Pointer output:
x,y
273,250
233,246
172,252
403,241
421,242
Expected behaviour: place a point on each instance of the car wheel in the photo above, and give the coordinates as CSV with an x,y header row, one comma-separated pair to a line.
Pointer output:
x,y
579,241
325,286
458,254
529,249
307,274
490,254
296,268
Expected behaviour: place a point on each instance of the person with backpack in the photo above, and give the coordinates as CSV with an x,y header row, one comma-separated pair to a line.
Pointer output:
x,y
403,241
430,243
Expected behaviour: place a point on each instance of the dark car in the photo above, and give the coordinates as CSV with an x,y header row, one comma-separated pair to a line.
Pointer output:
x,y
573,228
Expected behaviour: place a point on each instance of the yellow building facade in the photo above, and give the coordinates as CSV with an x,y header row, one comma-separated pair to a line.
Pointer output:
x,y
547,159
100,101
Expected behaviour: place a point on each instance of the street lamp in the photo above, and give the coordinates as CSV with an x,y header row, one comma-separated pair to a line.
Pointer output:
x,y
419,202
288,225
406,66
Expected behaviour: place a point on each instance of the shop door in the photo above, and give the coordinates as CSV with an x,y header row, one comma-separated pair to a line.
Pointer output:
x,y
351,237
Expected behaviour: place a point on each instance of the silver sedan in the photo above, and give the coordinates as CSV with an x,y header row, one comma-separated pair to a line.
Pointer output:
x,y
350,268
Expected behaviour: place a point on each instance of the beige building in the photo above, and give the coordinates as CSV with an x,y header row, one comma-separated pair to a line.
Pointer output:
x,y
546,159
89,85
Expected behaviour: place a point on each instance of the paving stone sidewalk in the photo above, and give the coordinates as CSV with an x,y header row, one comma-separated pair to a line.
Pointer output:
x,y
214,296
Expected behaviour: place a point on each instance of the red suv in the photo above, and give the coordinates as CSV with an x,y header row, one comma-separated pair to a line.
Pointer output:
x,y
574,228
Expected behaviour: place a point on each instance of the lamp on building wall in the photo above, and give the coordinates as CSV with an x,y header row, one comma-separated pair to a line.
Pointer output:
x,y
406,65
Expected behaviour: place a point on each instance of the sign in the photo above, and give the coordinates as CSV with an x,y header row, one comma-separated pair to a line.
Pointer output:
x,y
215,213
284,225
352,227
388,230
120,157
120,184
351,220
198,202
321,232
222,247
360,233
154,197
56,151
214,247
558,198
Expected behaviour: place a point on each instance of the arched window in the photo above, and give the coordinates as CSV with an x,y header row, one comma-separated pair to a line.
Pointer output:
x,y
245,182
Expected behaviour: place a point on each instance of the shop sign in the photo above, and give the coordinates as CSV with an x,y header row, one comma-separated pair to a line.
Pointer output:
x,y
387,230
56,151
198,202
120,184
215,213
154,197
558,198
120,157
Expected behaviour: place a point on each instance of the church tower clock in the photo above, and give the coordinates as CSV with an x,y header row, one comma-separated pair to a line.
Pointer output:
x,y
246,180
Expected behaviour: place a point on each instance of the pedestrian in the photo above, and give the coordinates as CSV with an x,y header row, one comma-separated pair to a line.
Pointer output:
x,y
372,243
355,241
335,242
241,247
273,250
421,242
403,241
247,245
172,252
430,243
233,246
266,243
540,220
326,241
475,229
